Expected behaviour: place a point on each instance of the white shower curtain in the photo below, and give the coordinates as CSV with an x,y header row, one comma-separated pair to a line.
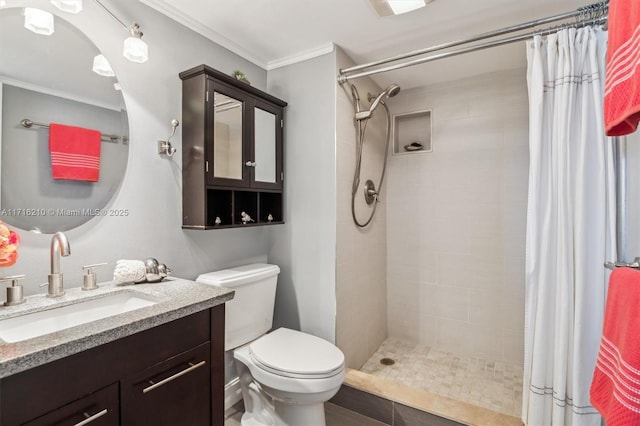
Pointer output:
x,y
570,225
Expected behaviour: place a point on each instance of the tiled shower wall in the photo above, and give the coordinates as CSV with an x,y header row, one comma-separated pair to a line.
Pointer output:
x,y
456,220
361,323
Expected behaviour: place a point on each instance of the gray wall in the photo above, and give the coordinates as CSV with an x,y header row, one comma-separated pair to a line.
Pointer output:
x,y
305,247
151,189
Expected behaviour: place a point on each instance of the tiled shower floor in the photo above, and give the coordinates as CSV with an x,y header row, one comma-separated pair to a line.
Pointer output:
x,y
493,385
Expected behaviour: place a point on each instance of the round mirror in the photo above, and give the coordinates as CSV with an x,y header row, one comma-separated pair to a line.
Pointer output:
x,y
56,110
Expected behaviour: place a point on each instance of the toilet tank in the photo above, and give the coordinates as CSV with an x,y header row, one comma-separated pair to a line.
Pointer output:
x,y
249,314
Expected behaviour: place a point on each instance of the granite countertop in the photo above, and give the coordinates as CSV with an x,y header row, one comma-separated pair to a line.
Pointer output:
x,y
175,298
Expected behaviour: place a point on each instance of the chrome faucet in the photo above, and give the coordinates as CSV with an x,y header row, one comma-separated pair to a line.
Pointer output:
x,y
59,247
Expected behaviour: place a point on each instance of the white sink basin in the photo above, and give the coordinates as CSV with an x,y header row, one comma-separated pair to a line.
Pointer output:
x,y
55,319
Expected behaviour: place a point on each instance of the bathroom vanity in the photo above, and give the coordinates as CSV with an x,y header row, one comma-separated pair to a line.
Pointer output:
x,y
232,160
157,365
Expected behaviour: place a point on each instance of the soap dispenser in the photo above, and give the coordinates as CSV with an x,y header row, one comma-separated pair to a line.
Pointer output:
x,y
89,281
14,293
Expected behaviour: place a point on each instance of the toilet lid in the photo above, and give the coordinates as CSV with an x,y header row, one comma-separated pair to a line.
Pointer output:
x,y
293,353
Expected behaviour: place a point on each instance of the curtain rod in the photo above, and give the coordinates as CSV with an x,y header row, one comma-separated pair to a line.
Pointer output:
x,y
596,12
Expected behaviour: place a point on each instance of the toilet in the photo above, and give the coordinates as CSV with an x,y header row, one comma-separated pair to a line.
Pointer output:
x,y
284,376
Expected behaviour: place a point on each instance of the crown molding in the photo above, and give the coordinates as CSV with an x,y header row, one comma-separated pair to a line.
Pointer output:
x,y
177,15
302,56
174,13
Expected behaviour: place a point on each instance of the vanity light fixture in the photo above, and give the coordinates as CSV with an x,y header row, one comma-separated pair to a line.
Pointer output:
x,y
134,48
38,21
397,7
71,6
101,66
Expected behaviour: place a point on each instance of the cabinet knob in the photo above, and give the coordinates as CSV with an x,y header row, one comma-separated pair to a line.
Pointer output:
x,y
250,164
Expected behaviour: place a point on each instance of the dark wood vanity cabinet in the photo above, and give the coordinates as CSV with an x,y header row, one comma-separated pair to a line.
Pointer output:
x,y
232,152
170,375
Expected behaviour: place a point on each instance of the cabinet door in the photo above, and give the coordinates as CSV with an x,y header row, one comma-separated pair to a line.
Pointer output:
x,y
267,146
227,136
174,392
98,409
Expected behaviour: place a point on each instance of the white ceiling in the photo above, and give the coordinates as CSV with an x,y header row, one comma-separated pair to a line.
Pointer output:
x,y
273,33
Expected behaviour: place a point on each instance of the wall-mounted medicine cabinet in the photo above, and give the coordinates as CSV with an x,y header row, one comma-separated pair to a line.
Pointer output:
x,y
412,132
232,159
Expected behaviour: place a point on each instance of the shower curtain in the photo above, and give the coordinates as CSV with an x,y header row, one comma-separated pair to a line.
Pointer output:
x,y
570,225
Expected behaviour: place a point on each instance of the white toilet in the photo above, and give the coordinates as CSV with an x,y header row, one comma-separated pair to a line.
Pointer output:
x,y
285,376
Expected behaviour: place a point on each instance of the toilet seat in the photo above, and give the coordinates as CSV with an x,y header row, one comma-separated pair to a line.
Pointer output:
x,y
294,354
297,388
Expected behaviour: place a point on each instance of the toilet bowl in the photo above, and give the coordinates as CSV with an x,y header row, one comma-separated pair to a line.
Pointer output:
x,y
285,376
297,372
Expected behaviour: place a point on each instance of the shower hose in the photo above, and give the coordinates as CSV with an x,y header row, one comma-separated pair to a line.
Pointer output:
x,y
361,130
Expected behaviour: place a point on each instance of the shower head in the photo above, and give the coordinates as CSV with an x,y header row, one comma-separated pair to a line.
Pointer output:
x,y
389,92
392,90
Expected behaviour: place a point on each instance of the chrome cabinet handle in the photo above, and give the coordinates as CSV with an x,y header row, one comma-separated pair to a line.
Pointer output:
x,y
175,376
250,164
92,418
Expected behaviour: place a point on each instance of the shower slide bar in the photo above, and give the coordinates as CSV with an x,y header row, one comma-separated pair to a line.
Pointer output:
x,y
26,123
620,152
592,14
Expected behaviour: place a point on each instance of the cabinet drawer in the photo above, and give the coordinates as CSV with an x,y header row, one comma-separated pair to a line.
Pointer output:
x,y
174,392
97,409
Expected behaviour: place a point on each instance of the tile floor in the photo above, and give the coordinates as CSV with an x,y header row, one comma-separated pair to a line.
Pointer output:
x,y
493,385
334,415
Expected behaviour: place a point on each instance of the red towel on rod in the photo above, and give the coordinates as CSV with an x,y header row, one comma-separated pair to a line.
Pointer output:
x,y
75,152
615,388
622,77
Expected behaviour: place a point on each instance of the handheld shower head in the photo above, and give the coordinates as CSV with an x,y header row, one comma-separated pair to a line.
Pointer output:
x,y
391,91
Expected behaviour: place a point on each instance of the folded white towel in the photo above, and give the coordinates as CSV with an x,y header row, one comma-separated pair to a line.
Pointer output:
x,y
129,271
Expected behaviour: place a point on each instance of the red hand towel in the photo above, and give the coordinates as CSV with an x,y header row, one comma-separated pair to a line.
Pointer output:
x,y
615,388
75,152
622,80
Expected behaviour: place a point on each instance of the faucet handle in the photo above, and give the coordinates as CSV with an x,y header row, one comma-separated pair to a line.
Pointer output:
x,y
89,279
14,292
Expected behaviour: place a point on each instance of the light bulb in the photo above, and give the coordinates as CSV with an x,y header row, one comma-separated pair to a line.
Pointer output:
x,y
38,21
71,6
135,49
403,6
101,66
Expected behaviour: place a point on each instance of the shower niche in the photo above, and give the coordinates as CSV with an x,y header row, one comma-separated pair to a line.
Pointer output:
x,y
232,162
412,132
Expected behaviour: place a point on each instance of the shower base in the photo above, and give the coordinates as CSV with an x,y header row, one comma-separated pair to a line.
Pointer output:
x,y
496,386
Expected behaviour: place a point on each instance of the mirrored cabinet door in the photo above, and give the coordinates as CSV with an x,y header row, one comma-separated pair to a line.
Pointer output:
x,y
228,137
265,146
